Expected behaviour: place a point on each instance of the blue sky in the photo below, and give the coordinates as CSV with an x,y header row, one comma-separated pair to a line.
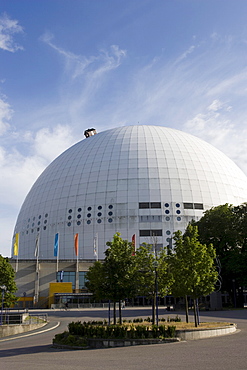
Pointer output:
x,y
68,65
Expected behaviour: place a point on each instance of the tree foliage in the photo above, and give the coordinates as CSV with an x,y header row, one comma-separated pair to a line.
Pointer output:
x,y
226,227
192,265
114,279
7,280
152,276
124,274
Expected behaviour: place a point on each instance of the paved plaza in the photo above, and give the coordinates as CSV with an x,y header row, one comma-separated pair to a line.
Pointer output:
x,y
34,351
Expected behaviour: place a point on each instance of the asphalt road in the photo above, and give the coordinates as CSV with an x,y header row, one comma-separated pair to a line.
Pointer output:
x,y
34,350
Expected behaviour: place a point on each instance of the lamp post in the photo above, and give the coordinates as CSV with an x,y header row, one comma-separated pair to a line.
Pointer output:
x,y
3,288
156,291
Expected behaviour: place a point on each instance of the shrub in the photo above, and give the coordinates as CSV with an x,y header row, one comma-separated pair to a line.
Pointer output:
x,y
171,331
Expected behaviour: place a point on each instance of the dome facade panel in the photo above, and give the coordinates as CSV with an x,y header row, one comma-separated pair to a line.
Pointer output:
x,y
140,180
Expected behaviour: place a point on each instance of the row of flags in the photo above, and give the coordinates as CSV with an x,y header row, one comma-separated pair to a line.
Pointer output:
x,y
56,245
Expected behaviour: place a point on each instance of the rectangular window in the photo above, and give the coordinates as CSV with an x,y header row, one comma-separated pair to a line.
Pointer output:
x,y
144,232
155,205
188,206
144,205
66,277
156,232
198,205
150,232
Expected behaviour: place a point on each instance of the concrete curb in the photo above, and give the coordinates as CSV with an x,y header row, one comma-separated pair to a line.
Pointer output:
x,y
205,333
12,329
112,343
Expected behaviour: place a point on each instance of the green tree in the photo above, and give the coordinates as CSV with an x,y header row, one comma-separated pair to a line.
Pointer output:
x,y
226,227
115,278
192,266
152,276
7,280
96,281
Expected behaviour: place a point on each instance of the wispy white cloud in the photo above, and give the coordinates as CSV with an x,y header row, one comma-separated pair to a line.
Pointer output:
x,y
78,64
185,54
5,115
49,143
8,28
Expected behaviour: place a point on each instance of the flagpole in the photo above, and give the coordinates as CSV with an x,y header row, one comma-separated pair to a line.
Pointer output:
x,y
16,250
56,248
36,295
57,258
76,247
95,246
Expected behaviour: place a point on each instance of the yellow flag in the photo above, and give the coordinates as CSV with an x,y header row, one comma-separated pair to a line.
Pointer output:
x,y
16,244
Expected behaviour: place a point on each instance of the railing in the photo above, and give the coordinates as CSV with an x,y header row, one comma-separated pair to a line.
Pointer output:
x,y
23,318
61,306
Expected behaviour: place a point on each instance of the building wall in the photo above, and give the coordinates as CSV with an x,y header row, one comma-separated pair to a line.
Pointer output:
x,y
34,283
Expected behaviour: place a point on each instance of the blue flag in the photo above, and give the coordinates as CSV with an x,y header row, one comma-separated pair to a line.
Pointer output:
x,y
56,245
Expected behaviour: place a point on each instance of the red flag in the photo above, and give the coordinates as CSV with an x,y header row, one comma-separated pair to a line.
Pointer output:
x,y
76,243
134,245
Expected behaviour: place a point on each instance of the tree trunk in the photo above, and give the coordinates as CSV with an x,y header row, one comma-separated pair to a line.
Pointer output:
x,y
120,312
153,309
186,308
195,313
114,313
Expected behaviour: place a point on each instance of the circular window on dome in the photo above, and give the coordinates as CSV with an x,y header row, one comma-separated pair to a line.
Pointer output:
x,y
69,223
33,224
178,212
70,210
89,215
79,210
28,220
88,222
69,217
99,221
168,232
46,215
78,223
26,232
44,228
45,222
27,226
32,230
39,223
167,212
99,207
168,239
33,218
37,228
78,216
177,205
99,214
89,208
110,206
110,213
179,218
166,204
110,220
167,218
39,216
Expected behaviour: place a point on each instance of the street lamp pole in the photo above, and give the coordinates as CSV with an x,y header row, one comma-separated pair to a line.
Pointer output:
x,y
3,288
156,291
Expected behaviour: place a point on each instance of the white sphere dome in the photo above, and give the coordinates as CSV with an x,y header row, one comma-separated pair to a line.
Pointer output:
x,y
136,180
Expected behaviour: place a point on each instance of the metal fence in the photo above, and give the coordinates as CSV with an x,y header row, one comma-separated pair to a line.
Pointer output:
x,y
7,318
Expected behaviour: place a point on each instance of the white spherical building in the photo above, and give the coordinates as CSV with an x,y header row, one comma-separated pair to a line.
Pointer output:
x,y
146,181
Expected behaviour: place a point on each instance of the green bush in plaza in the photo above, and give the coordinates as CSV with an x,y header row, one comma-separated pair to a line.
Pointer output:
x,y
78,332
